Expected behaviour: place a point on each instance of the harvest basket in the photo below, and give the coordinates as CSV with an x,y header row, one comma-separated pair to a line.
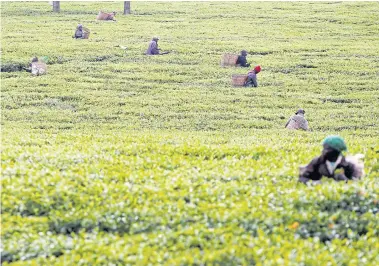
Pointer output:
x,y
86,33
229,60
239,80
105,16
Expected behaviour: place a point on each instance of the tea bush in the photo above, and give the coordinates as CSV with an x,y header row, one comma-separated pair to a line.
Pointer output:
x,y
116,158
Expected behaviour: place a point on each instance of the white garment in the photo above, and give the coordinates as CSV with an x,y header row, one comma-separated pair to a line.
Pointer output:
x,y
333,165
38,68
357,161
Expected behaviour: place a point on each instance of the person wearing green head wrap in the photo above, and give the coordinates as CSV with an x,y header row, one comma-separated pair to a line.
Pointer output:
x,y
335,142
329,163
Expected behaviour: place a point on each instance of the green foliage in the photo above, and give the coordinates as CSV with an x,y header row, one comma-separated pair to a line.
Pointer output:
x,y
116,158
13,66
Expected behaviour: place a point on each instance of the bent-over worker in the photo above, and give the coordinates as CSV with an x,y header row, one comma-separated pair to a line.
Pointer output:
x,y
241,61
153,47
33,60
329,163
252,77
297,121
79,34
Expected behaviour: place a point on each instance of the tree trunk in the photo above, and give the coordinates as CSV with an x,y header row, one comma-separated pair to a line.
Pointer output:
x,y
56,6
126,7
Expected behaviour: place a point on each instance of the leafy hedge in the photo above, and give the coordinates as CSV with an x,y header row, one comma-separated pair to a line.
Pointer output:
x,y
117,158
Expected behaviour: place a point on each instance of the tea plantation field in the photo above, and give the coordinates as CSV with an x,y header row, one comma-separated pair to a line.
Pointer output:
x,y
117,158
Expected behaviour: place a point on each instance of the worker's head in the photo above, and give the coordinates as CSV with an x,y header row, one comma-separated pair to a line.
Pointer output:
x,y
155,39
300,112
257,69
333,146
244,53
80,26
34,59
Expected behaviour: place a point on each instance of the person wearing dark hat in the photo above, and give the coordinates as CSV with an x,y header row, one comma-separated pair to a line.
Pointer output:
x,y
153,47
329,163
252,77
298,121
241,61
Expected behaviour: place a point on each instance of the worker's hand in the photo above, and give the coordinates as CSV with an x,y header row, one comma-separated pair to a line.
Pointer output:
x,y
341,177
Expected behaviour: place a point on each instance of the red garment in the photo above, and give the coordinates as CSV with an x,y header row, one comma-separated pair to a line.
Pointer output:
x,y
257,69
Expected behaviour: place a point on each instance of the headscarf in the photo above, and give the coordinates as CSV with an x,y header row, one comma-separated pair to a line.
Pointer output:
x,y
300,111
335,142
257,69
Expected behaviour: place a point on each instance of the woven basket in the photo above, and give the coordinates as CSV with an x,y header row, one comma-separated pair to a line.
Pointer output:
x,y
239,80
105,16
86,33
229,60
102,16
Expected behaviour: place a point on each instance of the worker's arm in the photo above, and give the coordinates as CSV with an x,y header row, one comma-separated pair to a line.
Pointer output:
x,y
348,168
289,120
306,125
254,80
311,170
